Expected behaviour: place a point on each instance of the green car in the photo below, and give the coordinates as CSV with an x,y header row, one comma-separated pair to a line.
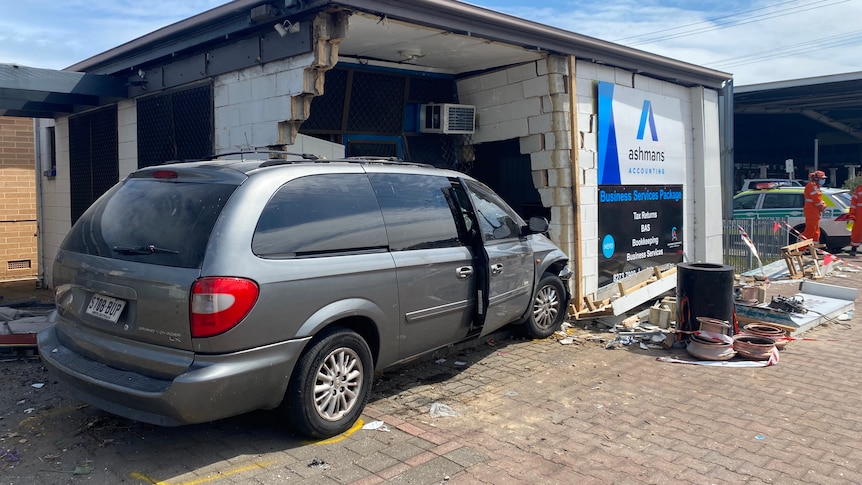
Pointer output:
x,y
781,201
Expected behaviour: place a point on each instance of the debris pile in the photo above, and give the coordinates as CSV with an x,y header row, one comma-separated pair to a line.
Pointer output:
x,y
21,321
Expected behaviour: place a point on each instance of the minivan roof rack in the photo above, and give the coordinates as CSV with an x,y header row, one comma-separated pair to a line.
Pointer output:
x,y
305,156
386,161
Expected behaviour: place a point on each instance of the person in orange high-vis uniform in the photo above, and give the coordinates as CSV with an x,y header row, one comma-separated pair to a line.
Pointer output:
x,y
814,205
856,209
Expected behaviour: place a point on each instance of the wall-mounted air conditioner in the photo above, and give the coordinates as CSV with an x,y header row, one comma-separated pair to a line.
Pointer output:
x,y
450,119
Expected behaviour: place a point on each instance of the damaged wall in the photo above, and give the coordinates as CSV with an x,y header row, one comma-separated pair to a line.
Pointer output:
x,y
252,107
530,102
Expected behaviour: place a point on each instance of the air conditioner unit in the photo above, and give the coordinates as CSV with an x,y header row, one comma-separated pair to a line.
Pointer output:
x,y
449,119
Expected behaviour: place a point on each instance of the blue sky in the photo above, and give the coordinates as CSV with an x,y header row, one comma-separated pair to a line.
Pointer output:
x,y
760,41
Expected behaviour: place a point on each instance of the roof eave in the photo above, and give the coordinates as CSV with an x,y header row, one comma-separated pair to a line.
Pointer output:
x,y
442,14
481,22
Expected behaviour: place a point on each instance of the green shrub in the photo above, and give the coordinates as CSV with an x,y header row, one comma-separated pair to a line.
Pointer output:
x,y
852,183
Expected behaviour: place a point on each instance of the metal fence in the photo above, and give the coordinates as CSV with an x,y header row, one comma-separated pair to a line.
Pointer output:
x,y
763,234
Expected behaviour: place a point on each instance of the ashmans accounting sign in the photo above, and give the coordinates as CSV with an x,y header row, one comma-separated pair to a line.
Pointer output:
x,y
641,137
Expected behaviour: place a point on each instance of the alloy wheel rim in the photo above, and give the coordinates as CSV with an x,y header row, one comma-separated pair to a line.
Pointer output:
x,y
337,384
546,307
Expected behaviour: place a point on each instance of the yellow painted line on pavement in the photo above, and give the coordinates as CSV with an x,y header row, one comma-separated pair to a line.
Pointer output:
x,y
209,478
233,471
335,439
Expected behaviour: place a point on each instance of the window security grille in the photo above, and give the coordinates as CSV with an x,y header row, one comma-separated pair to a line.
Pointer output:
x,y
93,158
175,126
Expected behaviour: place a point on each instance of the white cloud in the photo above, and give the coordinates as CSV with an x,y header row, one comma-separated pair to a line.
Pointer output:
x,y
799,28
56,34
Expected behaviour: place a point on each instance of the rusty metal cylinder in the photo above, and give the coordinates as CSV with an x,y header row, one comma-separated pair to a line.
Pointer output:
x,y
704,290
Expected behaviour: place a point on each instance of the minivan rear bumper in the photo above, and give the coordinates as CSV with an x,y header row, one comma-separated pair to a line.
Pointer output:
x,y
212,388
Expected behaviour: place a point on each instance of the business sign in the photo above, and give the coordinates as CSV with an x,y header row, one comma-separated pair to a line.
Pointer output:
x,y
641,137
639,227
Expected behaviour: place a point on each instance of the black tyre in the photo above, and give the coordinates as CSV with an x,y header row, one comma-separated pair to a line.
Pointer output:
x,y
330,385
548,309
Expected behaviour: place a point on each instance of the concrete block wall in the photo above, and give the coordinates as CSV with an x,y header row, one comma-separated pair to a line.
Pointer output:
x,y
530,102
127,136
18,228
56,200
250,104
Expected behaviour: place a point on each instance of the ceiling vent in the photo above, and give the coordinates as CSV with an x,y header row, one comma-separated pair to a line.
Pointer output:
x,y
449,119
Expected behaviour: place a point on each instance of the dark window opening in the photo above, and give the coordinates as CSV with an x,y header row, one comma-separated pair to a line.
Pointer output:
x,y
372,149
93,158
175,126
51,133
501,166
365,102
376,103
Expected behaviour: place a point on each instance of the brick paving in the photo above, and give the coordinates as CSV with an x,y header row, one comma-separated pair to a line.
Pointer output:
x,y
527,412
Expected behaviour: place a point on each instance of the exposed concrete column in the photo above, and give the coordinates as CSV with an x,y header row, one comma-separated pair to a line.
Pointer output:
x,y
552,164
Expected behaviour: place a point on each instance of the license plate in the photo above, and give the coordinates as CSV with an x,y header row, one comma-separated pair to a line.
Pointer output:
x,y
105,307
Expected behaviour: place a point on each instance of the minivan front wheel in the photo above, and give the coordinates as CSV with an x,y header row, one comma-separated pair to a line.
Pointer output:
x,y
331,384
548,309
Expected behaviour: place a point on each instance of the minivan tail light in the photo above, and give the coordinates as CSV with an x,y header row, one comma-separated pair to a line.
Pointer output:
x,y
220,303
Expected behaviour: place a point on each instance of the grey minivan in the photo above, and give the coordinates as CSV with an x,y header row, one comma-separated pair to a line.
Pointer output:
x,y
195,291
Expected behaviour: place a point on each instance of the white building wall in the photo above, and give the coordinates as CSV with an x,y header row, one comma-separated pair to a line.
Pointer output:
x,y
127,136
56,203
701,191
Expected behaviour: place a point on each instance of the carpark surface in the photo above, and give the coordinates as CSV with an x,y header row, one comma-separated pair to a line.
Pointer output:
x,y
527,412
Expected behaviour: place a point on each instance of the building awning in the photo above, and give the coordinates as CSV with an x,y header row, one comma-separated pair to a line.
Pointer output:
x,y
47,93
834,100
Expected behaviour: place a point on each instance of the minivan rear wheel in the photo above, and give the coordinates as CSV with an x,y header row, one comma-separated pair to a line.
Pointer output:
x,y
548,309
330,385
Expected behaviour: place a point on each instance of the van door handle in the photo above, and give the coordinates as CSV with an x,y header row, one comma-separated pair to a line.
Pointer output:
x,y
464,272
496,268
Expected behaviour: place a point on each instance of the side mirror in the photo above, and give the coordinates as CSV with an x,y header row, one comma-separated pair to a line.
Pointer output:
x,y
536,225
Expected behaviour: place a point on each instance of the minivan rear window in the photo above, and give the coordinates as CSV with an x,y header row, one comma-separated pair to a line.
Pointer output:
x,y
164,223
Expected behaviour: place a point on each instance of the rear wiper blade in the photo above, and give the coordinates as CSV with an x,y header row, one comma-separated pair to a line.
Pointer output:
x,y
143,250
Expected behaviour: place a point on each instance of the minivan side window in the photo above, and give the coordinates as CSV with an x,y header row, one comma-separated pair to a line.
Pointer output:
x,y
416,211
320,215
496,220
